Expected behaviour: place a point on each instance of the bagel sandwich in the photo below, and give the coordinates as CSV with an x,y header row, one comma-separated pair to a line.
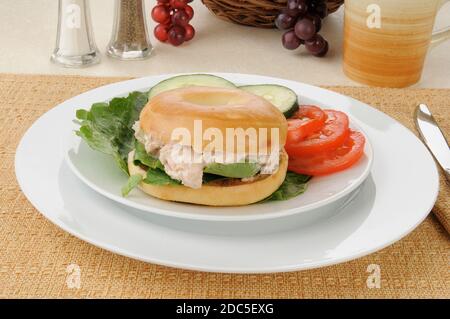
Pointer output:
x,y
188,149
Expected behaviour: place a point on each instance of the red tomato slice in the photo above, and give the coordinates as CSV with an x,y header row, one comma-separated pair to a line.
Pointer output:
x,y
306,121
332,135
331,161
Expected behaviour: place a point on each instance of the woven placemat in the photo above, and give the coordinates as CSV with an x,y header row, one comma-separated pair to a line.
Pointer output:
x,y
34,254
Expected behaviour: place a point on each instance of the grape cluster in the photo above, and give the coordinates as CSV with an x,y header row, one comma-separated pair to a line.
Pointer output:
x,y
173,18
302,20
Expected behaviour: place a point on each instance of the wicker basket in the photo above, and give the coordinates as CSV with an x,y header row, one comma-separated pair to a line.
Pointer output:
x,y
255,13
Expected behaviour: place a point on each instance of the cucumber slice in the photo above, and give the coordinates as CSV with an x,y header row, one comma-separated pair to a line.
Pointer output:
x,y
282,97
189,80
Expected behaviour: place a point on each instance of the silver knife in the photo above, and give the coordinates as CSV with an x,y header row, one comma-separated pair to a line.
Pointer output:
x,y
433,137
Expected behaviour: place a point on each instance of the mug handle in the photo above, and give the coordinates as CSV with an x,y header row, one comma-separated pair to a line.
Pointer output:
x,y
442,35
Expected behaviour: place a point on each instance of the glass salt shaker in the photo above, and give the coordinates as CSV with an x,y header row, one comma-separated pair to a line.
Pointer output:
x,y
75,45
129,39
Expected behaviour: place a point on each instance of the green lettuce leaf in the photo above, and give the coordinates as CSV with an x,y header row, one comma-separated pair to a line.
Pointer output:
x,y
155,173
294,184
235,170
156,176
107,127
142,157
133,181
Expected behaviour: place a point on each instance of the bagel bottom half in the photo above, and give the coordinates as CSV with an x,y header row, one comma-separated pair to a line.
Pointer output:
x,y
228,192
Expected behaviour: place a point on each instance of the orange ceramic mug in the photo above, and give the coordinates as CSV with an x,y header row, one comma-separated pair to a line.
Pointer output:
x,y
386,41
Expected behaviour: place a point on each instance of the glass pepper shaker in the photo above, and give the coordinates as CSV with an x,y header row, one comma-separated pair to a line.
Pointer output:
x,y
129,39
75,45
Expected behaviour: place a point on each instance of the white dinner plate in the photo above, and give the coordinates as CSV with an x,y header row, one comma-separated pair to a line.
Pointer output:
x,y
101,173
394,199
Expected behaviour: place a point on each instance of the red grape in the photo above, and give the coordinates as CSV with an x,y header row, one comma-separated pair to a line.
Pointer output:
x,y
160,32
302,7
323,52
284,21
290,40
173,18
303,20
160,13
189,11
176,35
178,4
305,29
320,8
296,7
316,20
292,9
316,44
190,32
180,18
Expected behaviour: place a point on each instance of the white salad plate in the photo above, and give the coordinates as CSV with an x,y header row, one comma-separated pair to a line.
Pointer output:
x,y
340,217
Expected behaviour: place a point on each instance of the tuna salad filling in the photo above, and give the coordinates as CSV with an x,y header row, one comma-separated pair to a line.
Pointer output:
x,y
183,164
